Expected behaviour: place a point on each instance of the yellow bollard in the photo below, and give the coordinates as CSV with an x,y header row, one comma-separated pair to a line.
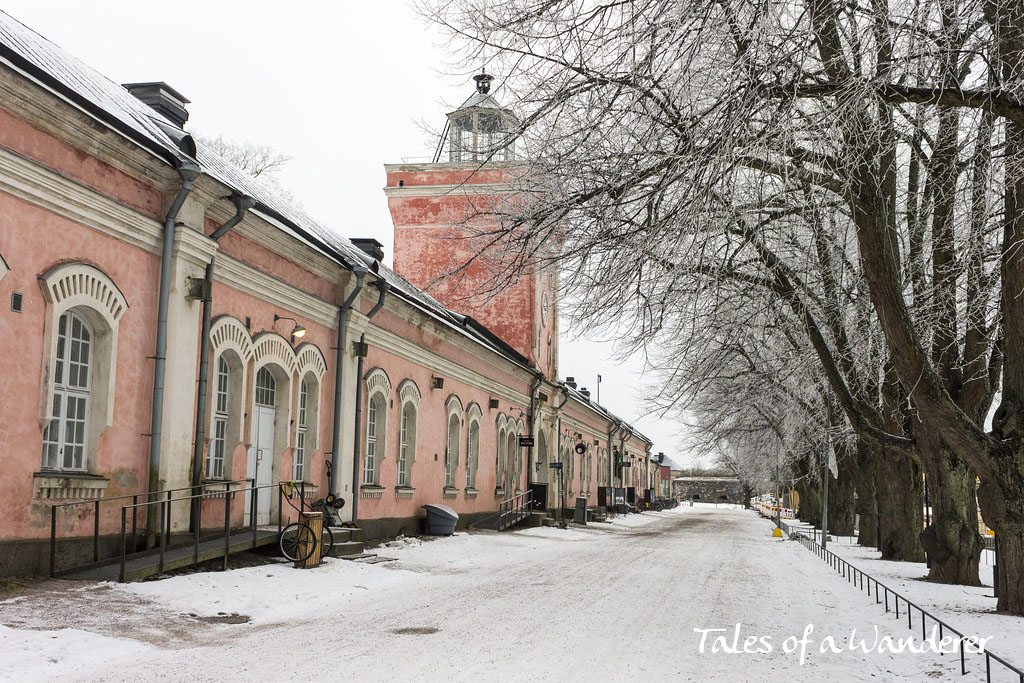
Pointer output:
x,y
777,533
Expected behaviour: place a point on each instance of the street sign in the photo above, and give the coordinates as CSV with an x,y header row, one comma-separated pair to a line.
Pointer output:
x,y
526,441
555,465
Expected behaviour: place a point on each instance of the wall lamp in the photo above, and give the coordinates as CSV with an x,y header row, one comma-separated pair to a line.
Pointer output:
x,y
437,382
297,331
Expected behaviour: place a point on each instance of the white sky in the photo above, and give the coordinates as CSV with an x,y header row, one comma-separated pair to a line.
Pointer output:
x,y
340,86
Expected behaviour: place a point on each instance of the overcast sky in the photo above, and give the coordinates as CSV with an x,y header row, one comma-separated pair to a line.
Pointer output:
x,y
342,87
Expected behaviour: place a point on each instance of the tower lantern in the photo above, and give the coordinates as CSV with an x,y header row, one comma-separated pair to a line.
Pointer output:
x,y
481,129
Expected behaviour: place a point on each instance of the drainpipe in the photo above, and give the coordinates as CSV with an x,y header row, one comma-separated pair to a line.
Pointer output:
x,y
339,364
382,288
188,172
558,449
533,407
242,204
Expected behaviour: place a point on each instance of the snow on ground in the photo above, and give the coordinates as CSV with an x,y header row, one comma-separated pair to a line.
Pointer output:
x,y
614,601
966,608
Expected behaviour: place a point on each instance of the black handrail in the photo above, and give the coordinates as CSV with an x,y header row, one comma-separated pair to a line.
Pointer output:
x,y
95,502
852,573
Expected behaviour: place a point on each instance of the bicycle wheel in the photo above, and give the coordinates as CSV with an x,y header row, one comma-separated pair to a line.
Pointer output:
x,y
297,542
326,542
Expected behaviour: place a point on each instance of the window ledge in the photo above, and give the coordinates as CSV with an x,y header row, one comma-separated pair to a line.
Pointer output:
x,y
499,493
68,485
219,487
450,492
371,491
404,491
469,492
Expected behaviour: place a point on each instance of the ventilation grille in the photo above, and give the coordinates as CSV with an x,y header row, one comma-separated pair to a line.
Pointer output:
x,y
16,302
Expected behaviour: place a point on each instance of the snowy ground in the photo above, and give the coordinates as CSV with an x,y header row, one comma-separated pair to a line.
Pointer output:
x,y
609,601
964,607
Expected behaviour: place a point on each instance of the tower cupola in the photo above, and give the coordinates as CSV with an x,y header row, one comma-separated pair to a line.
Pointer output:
x,y
481,129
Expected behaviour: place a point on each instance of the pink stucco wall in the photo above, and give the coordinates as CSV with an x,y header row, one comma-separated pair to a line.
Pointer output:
x,y
32,241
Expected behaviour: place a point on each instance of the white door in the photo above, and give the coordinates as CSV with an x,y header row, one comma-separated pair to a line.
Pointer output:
x,y
260,462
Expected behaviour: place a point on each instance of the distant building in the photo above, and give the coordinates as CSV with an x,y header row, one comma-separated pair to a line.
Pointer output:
x,y
709,489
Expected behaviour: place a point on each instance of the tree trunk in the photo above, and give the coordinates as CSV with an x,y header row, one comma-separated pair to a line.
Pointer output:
x,y
840,500
867,513
898,486
1006,516
952,540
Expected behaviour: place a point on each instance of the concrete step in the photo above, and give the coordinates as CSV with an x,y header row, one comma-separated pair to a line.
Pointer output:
x,y
345,534
346,548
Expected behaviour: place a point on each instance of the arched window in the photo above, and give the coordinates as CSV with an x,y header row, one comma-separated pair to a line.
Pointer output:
x,y
378,390
472,454
231,350
499,453
302,424
406,443
375,421
512,473
221,406
80,328
65,437
409,400
451,454
266,388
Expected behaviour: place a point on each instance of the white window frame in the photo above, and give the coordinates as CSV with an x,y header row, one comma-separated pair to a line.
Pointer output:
x,y
65,432
473,445
378,391
301,428
221,415
453,416
408,400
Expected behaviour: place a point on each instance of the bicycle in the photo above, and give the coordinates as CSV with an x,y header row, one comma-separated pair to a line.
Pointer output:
x,y
297,541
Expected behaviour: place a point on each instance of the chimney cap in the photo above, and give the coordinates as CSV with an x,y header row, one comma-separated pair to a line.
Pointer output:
x,y
570,382
370,246
162,98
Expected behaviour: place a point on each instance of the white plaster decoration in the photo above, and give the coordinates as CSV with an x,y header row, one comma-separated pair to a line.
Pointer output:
x,y
403,492
63,487
270,347
450,492
409,392
229,333
91,293
453,405
377,380
370,491
309,358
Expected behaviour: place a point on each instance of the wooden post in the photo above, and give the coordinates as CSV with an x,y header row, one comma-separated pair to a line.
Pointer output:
x,y
315,521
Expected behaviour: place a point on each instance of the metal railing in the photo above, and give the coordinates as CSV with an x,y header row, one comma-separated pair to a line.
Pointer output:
x,y
858,578
97,502
510,511
164,504
515,509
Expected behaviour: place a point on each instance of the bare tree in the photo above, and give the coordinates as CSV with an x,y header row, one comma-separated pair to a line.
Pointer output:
x,y
678,147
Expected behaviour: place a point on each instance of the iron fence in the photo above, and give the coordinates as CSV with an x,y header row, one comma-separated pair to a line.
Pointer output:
x,y
883,594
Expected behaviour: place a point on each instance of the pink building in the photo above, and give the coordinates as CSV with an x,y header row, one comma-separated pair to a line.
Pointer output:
x,y
175,325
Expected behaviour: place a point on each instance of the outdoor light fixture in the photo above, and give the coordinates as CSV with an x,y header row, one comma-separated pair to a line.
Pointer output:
x,y
437,382
297,331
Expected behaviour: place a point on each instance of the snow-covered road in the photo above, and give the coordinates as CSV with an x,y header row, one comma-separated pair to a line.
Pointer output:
x,y
612,602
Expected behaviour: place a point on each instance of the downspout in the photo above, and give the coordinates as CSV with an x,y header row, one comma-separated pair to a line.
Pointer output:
x,y
339,364
188,172
558,450
242,204
533,407
382,287
611,461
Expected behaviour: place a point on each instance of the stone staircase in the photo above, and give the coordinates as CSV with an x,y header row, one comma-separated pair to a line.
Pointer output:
x,y
347,542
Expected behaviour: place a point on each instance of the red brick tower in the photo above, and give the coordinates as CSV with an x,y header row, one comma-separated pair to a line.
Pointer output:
x,y
432,207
